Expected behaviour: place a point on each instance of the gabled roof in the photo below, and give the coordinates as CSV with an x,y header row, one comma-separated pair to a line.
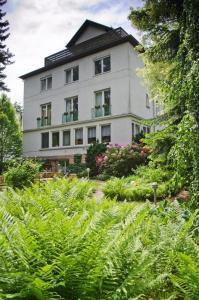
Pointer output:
x,y
111,37
84,26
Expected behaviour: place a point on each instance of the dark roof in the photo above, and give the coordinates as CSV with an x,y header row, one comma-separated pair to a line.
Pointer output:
x,y
101,42
83,28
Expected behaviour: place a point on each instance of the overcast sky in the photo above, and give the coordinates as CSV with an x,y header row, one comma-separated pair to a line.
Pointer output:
x,y
39,28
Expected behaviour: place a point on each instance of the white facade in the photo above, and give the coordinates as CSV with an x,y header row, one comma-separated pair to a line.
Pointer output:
x,y
127,94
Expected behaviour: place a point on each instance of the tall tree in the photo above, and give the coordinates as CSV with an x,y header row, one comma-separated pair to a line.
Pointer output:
x,y
171,35
5,54
10,132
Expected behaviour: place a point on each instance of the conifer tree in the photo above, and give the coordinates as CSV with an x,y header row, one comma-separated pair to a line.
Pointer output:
x,y
5,54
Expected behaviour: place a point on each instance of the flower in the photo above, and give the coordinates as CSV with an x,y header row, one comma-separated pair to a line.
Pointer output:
x,y
134,146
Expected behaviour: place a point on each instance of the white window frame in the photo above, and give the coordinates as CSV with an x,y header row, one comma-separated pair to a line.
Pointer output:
x,y
71,70
147,101
103,125
78,128
67,130
46,83
53,132
95,134
101,59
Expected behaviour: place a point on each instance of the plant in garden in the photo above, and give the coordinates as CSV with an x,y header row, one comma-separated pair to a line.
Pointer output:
x,y
121,160
10,132
171,59
94,150
56,243
22,173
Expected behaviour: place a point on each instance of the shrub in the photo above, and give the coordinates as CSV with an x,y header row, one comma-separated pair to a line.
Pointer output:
x,y
56,243
121,160
22,173
93,151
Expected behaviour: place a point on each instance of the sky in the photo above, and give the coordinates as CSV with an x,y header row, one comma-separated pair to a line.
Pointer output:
x,y
39,28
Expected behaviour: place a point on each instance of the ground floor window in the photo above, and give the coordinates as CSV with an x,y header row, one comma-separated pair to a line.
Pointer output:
x,y
106,133
66,138
55,139
45,140
91,135
78,136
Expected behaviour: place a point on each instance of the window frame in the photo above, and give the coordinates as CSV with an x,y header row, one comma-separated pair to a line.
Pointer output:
x,y
45,106
147,101
42,134
102,65
79,128
46,83
103,104
67,130
55,132
105,125
91,142
71,69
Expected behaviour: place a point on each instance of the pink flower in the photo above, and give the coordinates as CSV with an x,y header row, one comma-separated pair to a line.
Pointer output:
x,y
105,158
134,146
142,153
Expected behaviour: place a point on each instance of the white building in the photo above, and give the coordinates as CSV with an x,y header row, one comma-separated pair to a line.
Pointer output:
x,y
89,91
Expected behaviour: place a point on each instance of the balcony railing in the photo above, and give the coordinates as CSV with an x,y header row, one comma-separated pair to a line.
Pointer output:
x,y
69,117
101,111
41,122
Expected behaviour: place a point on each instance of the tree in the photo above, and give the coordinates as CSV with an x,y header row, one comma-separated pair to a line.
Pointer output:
x,y
10,133
171,34
5,54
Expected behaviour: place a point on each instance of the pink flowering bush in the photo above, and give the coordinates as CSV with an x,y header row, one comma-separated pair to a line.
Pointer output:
x,y
121,160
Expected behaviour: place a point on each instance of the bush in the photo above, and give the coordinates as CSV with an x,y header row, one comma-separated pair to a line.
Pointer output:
x,y
56,243
22,173
138,187
121,160
93,151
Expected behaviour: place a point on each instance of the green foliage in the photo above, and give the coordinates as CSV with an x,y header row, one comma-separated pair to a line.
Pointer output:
x,y
10,133
22,173
5,54
77,159
120,160
93,151
79,169
138,187
58,244
171,57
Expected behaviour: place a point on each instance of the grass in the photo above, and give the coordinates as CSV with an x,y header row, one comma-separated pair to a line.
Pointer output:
x,y
56,242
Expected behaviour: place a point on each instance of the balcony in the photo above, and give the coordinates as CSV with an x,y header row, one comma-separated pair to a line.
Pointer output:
x,y
42,122
101,111
69,117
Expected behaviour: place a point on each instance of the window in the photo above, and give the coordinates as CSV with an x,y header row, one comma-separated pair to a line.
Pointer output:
x,y
45,140
71,113
46,83
55,139
144,129
66,138
102,65
78,136
91,135
148,129
102,103
147,101
106,133
137,128
72,74
46,114
133,129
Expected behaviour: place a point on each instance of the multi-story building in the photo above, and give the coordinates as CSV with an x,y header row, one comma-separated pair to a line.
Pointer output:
x,y
89,91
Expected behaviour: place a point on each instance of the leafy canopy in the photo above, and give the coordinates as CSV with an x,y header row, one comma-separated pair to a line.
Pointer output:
x,y
171,34
10,133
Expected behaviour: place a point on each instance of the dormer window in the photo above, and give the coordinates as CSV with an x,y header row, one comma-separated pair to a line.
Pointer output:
x,y
72,74
46,83
102,65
